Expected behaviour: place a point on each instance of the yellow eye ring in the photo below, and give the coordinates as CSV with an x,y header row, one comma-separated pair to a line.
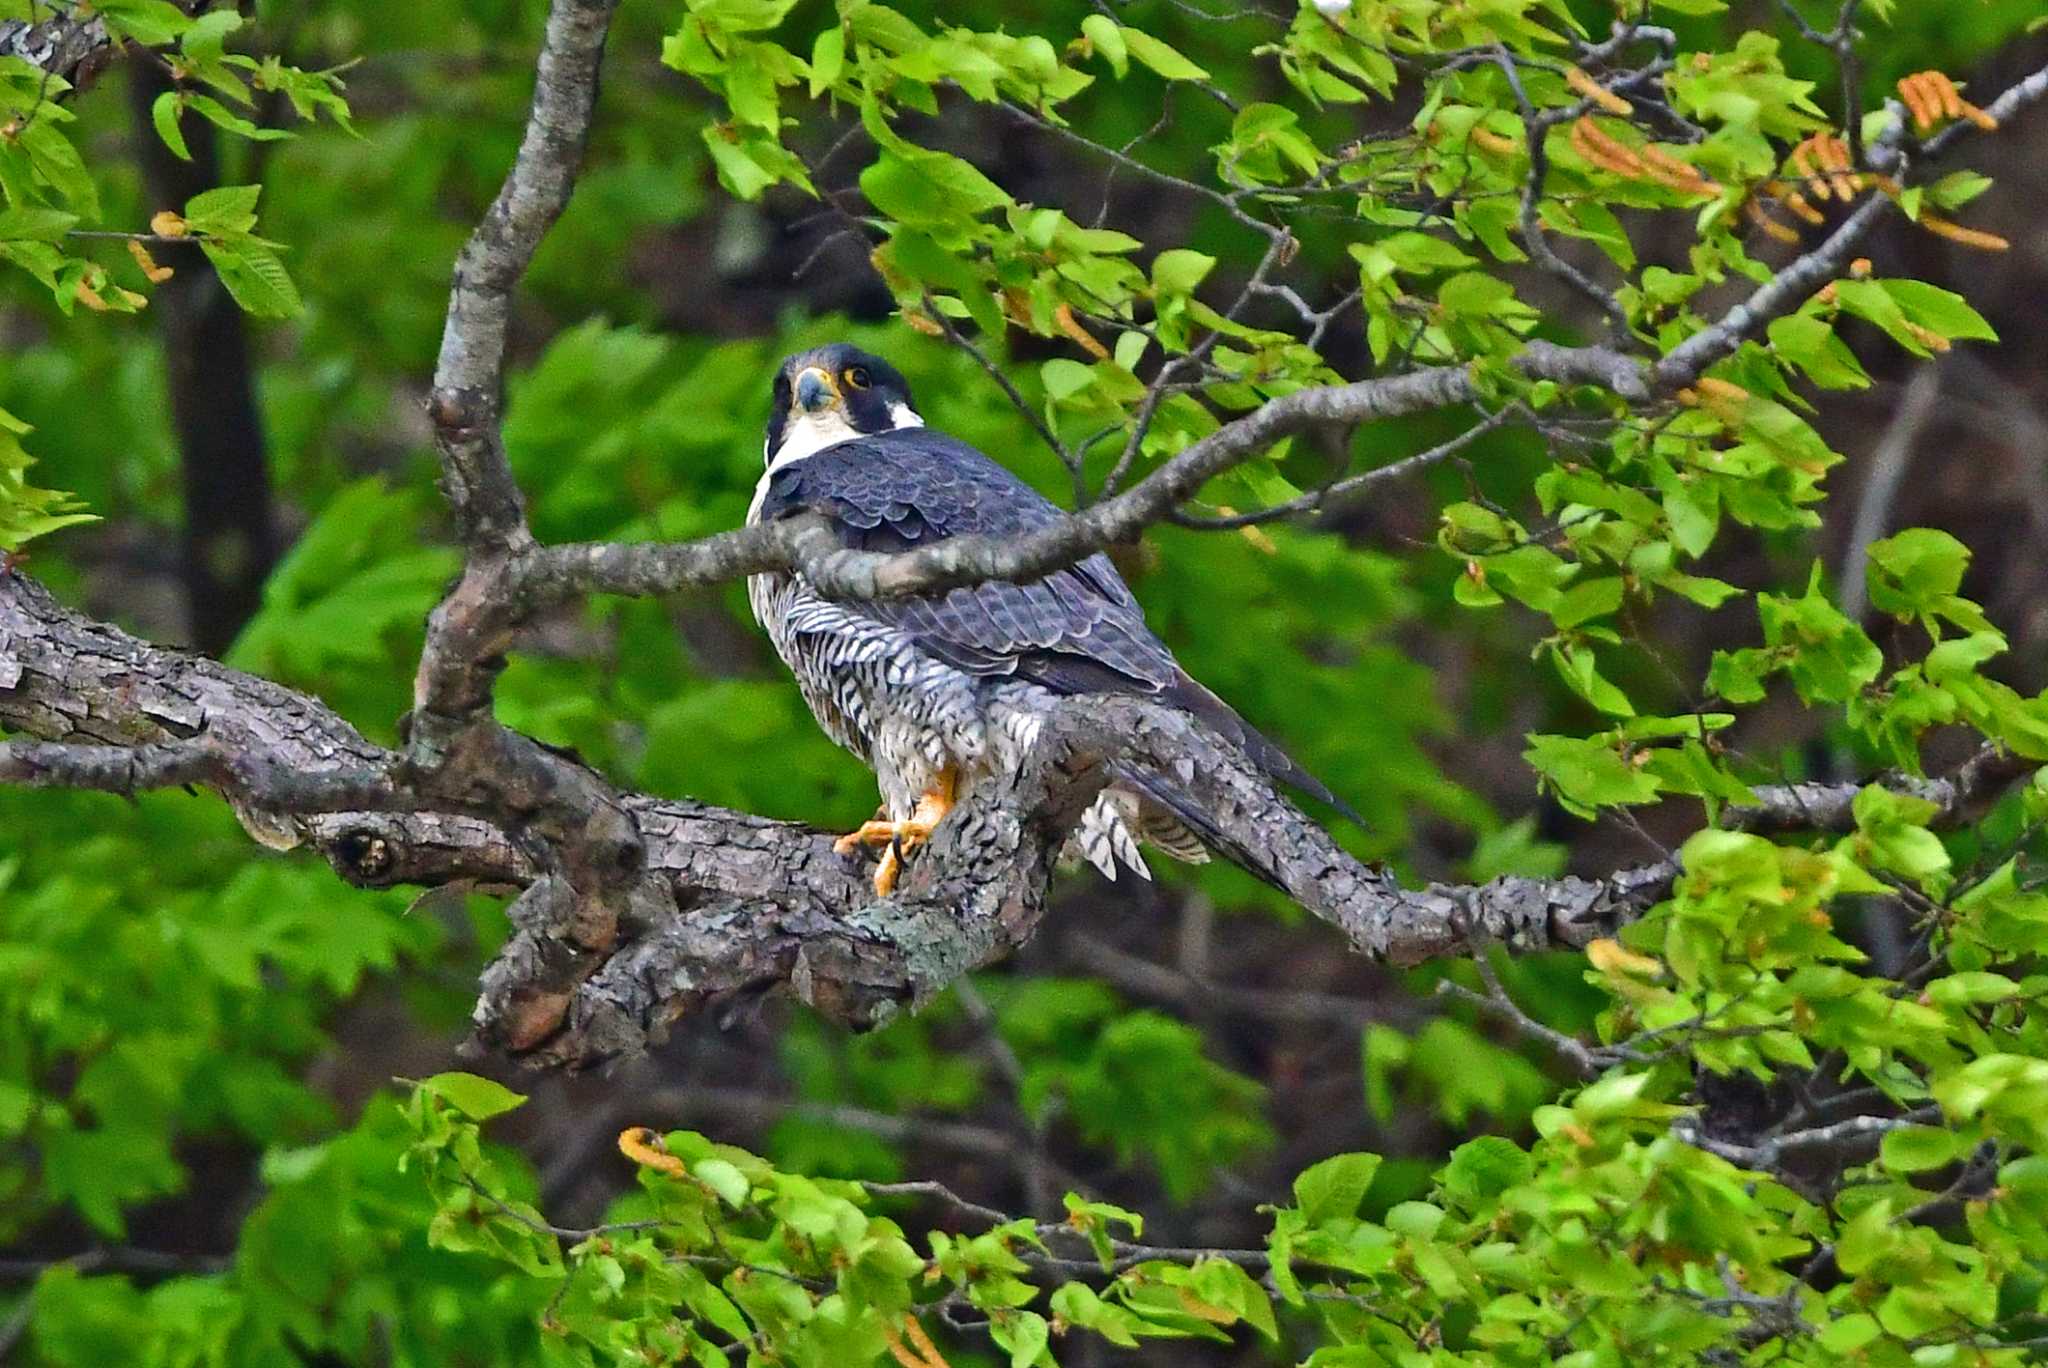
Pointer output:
x,y
856,377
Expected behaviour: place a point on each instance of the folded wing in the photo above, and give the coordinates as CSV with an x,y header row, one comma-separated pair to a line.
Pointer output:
x,y
1078,630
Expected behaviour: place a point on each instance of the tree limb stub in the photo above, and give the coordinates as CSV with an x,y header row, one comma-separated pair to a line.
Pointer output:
x,y
722,903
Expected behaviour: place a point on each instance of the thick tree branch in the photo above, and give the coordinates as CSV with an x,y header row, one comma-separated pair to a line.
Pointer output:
x,y
712,902
730,902
636,910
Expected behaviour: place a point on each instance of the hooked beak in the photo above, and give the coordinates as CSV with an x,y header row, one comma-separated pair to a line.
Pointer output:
x,y
815,390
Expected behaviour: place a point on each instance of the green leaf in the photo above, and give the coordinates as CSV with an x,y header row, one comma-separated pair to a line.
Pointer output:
x,y
742,16
228,210
1588,774
151,23
1108,39
31,223
27,512
724,1178
1587,600
1335,1187
742,176
255,276
1580,669
478,1098
163,113
828,59
1024,1333
1829,658
1850,1333
1225,1284
1811,344
1916,1149
1942,312
1179,270
1063,378
58,163
218,114
1486,1167
1914,571
921,186
1971,987
206,40
1159,57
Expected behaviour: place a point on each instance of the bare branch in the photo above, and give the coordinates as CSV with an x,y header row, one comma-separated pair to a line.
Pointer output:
x,y
1190,991
1827,807
469,376
1855,1134
1536,128
1316,500
1790,287
456,748
704,903
1885,474
548,574
469,631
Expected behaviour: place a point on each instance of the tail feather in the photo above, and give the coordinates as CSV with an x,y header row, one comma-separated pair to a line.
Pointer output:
x,y
1274,763
1190,814
1105,839
1159,828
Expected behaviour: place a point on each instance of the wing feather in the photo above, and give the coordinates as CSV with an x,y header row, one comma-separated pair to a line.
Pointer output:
x,y
1077,630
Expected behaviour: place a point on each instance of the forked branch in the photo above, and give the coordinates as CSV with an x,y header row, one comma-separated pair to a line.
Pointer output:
x,y
633,910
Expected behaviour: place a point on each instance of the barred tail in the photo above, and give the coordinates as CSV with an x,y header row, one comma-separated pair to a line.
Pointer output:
x,y
1274,763
1193,821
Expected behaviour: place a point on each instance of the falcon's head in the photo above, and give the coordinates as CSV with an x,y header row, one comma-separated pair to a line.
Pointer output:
x,y
830,394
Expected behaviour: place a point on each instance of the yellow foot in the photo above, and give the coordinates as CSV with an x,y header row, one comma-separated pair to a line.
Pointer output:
x,y
889,870
898,839
881,834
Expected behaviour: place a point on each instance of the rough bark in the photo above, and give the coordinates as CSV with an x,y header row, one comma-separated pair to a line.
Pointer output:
x,y
633,910
69,41
708,902
715,902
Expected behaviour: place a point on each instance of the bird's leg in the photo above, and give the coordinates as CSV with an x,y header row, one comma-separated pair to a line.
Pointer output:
x,y
899,838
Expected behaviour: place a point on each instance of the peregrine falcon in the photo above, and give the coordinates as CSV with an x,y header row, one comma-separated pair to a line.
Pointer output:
x,y
939,692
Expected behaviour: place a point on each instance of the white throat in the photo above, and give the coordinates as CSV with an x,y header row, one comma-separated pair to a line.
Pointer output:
x,y
807,434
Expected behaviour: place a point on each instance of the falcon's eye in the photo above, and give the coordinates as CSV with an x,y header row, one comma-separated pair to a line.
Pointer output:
x,y
857,377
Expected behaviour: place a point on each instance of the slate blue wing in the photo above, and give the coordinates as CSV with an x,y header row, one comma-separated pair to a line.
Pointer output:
x,y
1078,630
